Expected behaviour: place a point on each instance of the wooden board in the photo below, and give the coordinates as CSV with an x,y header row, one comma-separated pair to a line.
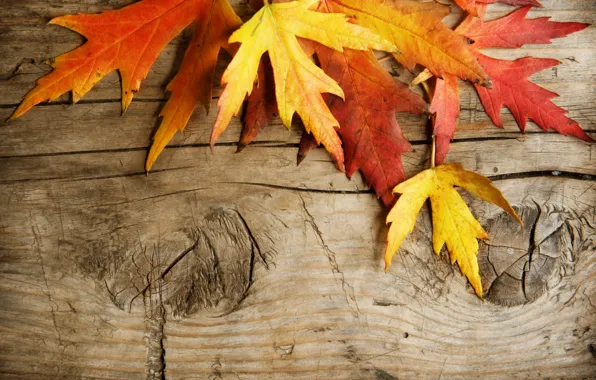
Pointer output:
x,y
244,266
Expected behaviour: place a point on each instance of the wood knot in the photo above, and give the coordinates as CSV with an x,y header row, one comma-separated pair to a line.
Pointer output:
x,y
208,267
518,266
217,272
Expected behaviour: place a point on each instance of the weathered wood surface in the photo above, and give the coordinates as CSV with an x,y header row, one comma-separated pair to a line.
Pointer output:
x,y
244,266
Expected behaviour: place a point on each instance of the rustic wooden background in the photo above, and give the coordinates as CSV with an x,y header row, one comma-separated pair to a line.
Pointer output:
x,y
244,266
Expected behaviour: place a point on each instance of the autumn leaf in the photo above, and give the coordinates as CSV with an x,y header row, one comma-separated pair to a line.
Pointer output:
x,y
416,29
128,40
193,82
476,7
261,105
514,30
445,108
373,141
511,88
453,223
299,82
510,84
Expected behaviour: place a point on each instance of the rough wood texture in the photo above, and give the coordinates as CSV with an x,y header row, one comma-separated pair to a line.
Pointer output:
x,y
244,266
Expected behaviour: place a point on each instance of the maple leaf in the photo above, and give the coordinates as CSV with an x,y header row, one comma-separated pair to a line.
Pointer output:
x,y
416,29
514,30
510,84
512,89
299,82
453,223
128,40
477,7
373,140
445,107
261,105
193,82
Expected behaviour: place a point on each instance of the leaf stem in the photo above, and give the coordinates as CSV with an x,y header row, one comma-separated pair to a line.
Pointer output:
x,y
433,120
427,90
433,151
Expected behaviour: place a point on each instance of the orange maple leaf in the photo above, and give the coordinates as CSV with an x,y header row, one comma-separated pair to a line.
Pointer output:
x,y
193,82
128,40
416,29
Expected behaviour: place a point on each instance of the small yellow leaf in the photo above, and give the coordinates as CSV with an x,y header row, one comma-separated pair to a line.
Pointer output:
x,y
453,223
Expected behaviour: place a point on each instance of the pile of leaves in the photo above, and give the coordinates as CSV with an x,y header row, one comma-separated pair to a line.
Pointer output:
x,y
314,58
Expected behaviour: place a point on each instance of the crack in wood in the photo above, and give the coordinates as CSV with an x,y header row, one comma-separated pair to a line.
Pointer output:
x,y
155,320
531,247
553,244
331,257
14,72
495,178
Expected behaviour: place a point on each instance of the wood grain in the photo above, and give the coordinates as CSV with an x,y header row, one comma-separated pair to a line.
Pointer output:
x,y
244,266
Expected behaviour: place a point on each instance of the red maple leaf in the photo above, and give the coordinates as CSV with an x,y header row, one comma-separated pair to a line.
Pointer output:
x,y
373,141
445,107
510,84
372,138
514,30
511,88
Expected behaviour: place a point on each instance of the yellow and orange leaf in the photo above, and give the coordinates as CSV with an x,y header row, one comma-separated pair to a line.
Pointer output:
x,y
416,29
193,83
453,223
298,81
128,40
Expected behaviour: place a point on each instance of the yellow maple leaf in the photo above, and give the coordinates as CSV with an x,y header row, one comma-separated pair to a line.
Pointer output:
x,y
453,223
298,81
